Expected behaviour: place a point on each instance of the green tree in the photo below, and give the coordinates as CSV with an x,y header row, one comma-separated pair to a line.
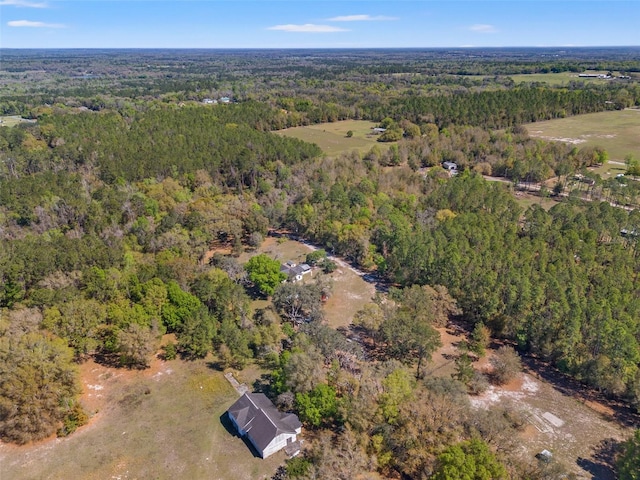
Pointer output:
x,y
391,135
397,388
77,321
195,337
480,338
471,460
181,305
297,301
265,273
464,369
319,406
136,344
628,463
313,258
409,339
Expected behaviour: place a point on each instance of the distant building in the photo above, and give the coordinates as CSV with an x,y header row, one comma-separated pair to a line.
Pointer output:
x,y
225,100
593,75
268,429
378,130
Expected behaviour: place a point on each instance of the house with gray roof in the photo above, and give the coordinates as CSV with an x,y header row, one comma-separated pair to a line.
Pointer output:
x,y
268,429
295,272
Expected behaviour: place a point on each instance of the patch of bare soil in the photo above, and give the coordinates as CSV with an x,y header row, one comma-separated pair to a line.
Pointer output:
x,y
559,422
577,424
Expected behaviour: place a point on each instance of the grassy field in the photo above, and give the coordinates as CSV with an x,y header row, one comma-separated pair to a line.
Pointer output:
x,y
160,423
332,137
525,200
562,78
11,120
618,132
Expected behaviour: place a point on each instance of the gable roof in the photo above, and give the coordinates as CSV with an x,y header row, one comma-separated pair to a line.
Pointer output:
x,y
257,415
291,268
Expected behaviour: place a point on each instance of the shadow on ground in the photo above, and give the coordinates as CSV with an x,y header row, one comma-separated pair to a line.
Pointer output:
x,y
231,429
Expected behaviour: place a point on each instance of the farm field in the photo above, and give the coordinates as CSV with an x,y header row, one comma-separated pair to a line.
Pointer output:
x,y
561,78
332,137
159,423
618,132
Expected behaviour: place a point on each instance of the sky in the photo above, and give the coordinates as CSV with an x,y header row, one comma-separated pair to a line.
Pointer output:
x,y
317,23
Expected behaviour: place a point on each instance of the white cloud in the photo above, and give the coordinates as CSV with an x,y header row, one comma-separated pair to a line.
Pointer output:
x,y
361,18
23,3
307,28
30,24
482,28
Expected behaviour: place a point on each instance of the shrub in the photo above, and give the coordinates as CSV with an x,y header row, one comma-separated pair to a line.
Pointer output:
x,y
328,266
77,417
478,384
170,351
297,467
506,365
315,257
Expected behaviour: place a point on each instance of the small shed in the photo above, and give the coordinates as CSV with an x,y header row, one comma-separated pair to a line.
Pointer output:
x,y
451,166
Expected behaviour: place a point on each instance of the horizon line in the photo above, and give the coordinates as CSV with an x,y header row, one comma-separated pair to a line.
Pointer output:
x,y
465,47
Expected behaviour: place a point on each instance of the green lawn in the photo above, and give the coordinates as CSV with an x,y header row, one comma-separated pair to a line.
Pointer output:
x,y
618,132
332,137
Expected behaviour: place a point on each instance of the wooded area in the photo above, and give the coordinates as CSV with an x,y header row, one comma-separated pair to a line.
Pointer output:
x,y
110,202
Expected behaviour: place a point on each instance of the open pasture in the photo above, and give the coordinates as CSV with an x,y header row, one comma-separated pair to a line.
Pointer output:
x,y
332,137
160,423
618,132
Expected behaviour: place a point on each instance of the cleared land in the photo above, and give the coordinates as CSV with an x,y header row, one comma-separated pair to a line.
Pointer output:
x,y
161,423
561,415
618,132
562,78
332,137
13,120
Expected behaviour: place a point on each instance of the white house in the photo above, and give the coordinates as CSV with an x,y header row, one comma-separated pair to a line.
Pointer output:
x,y
268,429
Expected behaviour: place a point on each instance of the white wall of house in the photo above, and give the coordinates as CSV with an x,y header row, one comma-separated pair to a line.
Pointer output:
x,y
277,444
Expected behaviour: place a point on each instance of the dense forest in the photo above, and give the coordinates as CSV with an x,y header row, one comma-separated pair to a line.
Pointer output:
x,y
110,201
